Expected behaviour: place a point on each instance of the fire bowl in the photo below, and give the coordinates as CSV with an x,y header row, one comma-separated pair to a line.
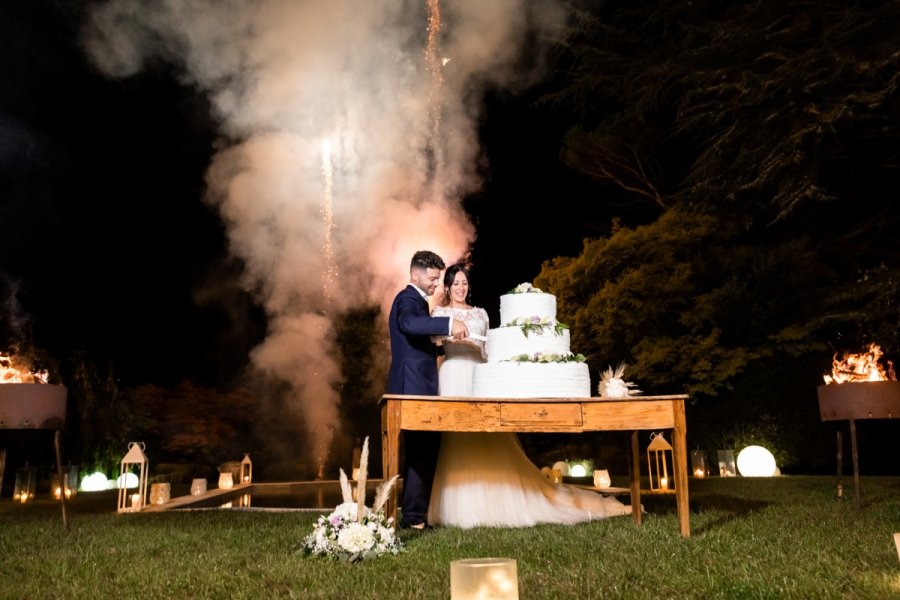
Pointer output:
x,y
859,400
32,406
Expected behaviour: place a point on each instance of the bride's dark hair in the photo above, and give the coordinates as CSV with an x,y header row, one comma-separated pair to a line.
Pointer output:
x,y
450,275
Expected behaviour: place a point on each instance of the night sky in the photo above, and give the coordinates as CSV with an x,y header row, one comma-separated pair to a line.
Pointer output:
x,y
108,248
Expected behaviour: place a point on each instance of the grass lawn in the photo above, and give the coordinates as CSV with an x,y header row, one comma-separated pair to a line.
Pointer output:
x,y
785,537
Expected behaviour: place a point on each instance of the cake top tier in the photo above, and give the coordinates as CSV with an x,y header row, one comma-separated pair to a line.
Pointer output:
x,y
526,304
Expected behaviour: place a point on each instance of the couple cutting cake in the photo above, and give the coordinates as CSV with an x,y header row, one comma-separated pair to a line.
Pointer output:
x,y
465,479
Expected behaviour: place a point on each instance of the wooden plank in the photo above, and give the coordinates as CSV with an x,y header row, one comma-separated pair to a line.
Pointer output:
x,y
618,416
541,416
458,416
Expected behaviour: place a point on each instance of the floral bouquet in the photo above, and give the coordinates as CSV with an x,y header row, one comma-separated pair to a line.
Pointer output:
x,y
525,288
354,532
537,325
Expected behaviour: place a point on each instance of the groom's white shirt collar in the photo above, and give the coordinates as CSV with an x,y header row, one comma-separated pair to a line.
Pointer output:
x,y
425,297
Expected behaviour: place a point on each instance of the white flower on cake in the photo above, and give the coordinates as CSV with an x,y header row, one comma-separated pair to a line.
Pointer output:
x,y
537,325
352,531
541,357
525,288
613,386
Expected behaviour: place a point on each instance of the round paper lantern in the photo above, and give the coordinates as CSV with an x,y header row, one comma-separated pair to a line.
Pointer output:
x,y
95,482
561,466
756,461
128,480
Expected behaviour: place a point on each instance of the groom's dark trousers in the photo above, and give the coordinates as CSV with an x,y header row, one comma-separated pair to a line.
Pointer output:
x,y
414,372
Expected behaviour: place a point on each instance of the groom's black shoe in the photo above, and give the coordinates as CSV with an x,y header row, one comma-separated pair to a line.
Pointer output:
x,y
420,527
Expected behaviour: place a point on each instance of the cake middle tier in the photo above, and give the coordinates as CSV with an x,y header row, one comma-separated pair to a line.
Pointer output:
x,y
505,342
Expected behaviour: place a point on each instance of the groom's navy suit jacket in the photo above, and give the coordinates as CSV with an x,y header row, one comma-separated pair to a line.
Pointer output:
x,y
413,354
414,372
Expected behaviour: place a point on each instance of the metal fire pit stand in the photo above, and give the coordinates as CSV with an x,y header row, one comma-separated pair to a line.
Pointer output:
x,y
857,400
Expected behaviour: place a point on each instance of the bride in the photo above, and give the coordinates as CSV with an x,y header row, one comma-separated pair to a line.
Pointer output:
x,y
486,479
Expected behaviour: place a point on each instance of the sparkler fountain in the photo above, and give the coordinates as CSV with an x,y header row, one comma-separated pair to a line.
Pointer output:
x,y
402,150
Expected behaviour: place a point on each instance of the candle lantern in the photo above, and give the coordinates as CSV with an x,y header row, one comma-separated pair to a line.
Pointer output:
x,y
160,493
659,463
246,470
602,479
495,578
25,482
198,487
726,463
68,485
226,480
698,463
134,462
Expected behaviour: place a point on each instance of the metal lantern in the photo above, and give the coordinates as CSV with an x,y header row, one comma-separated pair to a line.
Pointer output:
x,y
726,463
134,460
246,470
659,461
25,483
68,487
698,464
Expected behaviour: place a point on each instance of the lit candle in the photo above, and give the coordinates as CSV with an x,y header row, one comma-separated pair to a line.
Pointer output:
x,y
23,497
57,493
699,473
135,501
556,475
663,483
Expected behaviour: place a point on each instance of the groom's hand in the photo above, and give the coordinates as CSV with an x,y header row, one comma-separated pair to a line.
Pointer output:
x,y
460,331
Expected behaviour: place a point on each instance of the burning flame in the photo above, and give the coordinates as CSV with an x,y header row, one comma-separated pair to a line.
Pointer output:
x,y
861,367
12,371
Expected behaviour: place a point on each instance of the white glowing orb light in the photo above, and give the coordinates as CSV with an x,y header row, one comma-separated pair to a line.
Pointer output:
x,y
130,481
756,461
578,471
95,482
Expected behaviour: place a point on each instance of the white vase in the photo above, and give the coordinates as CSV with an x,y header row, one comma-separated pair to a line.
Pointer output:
x,y
226,481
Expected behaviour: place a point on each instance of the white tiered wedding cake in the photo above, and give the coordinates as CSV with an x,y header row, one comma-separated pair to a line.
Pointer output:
x,y
528,356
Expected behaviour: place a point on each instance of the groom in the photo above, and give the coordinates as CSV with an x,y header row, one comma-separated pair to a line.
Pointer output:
x,y
414,372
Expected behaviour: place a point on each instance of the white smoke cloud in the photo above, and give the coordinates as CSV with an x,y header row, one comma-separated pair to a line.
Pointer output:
x,y
287,77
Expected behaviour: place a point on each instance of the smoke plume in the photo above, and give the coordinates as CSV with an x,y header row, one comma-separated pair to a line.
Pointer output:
x,y
348,137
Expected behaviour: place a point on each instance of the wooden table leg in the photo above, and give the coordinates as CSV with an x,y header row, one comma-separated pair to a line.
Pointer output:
x,y
679,444
390,450
855,456
635,468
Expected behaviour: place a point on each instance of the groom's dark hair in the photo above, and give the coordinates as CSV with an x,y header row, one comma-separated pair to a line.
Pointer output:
x,y
426,259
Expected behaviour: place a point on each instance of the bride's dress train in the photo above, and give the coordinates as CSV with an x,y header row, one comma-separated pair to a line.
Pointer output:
x,y
486,479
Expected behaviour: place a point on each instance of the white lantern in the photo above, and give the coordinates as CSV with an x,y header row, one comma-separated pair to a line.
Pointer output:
x,y
135,462
246,470
659,460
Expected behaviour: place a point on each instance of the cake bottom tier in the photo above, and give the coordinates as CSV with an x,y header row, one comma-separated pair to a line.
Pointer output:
x,y
532,380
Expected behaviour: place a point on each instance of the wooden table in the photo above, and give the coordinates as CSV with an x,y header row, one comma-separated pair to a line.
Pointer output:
x,y
526,415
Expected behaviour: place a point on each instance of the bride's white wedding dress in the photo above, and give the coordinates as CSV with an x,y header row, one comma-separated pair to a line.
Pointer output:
x,y
486,479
